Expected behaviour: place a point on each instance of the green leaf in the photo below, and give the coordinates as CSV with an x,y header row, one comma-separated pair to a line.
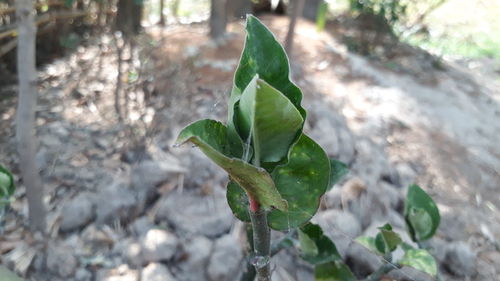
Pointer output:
x,y
237,200
337,171
211,137
333,271
7,275
421,214
307,245
420,259
301,182
263,55
387,240
326,250
368,242
321,16
7,186
270,118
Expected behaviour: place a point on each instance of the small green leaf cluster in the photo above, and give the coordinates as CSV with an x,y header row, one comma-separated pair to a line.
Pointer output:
x,y
7,186
422,220
271,163
262,147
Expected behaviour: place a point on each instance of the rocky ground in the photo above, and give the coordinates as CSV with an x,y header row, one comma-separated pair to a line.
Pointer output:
x,y
126,205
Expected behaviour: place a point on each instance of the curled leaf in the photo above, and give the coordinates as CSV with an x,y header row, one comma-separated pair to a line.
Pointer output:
x,y
211,137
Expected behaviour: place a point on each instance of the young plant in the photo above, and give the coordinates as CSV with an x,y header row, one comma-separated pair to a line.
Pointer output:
x,y
7,188
277,173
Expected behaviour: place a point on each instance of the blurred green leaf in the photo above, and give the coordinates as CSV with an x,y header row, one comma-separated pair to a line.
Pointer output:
x,y
307,245
321,16
333,271
387,240
7,186
211,137
420,259
421,214
368,242
7,275
237,200
337,171
326,250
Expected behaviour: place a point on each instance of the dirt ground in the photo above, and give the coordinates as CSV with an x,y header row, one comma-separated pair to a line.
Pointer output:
x,y
393,122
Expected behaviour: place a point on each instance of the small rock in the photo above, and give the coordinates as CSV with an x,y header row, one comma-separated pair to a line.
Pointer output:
x,y
61,261
140,226
115,202
409,274
406,174
129,249
148,174
83,275
340,226
77,212
209,215
393,198
197,251
156,272
201,170
158,245
226,258
395,219
361,260
120,273
333,198
460,260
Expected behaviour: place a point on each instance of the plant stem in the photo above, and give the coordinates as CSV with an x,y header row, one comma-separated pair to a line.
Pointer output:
x,y
377,275
261,242
285,242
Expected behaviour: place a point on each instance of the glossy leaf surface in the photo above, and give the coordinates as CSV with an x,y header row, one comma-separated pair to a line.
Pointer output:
x,y
211,137
421,214
270,118
301,182
263,55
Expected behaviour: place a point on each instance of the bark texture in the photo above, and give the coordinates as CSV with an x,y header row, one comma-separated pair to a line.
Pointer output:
x,y
25,115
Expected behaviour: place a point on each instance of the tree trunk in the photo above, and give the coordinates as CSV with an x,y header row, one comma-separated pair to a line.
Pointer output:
x,y
310,11
239,8
25,115
162,16
297,7
128,17
218,18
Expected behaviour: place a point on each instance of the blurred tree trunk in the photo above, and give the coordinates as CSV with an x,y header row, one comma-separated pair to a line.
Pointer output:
x,y
310,11
239,8
162,16
25,115
297,7
218,18
129,16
